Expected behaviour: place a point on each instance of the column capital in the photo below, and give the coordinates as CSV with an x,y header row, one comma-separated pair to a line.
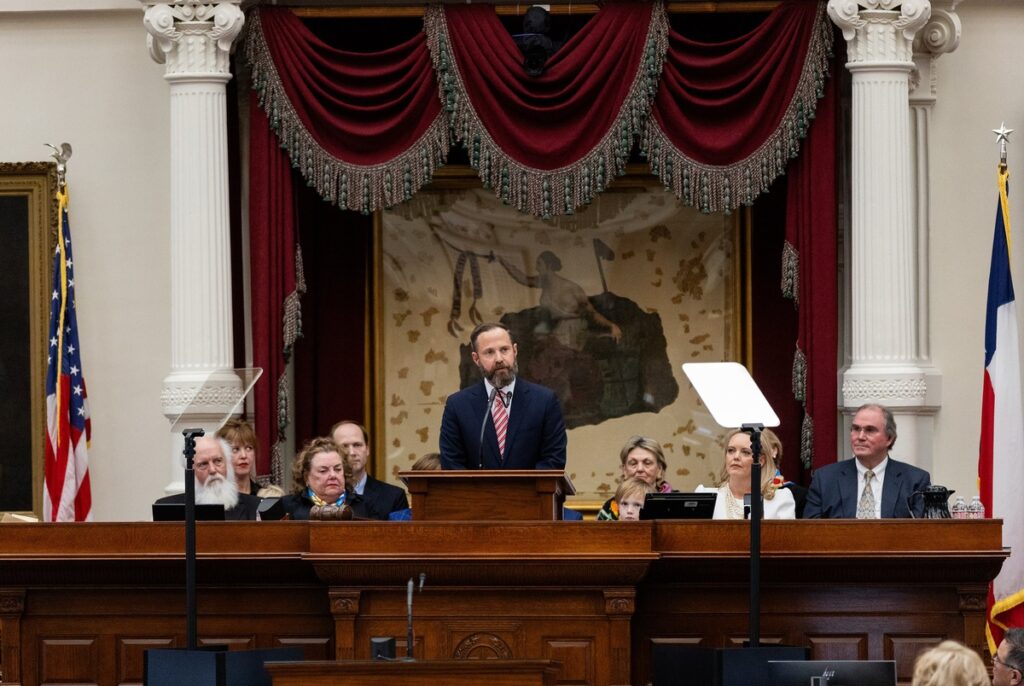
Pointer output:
x,y
880,32
194,38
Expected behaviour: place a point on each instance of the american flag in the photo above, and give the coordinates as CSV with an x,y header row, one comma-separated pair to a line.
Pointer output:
x,y
66,493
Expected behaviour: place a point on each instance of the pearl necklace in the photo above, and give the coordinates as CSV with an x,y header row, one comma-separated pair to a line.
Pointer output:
x,y
733,507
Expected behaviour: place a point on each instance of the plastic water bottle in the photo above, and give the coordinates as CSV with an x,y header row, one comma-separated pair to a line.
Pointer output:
x,y
976,510
959,510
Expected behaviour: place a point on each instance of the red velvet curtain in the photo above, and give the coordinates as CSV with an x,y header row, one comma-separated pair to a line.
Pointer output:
x,y
365,129
368,130
810,277
728,116
547,143
276,284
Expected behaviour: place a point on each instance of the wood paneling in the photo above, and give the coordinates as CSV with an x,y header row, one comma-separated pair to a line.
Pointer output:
x,y
79,603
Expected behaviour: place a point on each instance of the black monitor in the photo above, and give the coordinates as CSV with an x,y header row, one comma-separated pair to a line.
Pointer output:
x,y
832,673
175,512
679,506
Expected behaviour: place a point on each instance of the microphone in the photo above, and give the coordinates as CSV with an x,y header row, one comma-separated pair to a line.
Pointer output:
x,y
408,632
408,601
483,427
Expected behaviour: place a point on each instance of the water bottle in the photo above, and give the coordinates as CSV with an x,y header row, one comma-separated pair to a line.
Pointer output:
x,y
976,510
959,510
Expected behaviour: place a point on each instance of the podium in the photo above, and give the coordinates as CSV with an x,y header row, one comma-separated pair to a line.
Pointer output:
x,y
430,673
488,494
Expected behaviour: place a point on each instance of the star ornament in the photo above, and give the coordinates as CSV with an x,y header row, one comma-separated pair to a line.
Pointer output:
x,y
1002,133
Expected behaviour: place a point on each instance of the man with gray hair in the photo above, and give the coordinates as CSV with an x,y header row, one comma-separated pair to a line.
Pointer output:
x,y
1008,662
872,485
211,465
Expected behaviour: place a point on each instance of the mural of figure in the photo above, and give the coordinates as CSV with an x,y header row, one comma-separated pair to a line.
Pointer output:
x,y
567,306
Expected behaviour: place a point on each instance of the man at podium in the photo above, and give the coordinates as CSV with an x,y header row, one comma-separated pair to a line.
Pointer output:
x,y
520,423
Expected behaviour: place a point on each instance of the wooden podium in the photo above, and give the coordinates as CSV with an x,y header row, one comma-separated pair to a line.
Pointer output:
x,y
488,494
427,673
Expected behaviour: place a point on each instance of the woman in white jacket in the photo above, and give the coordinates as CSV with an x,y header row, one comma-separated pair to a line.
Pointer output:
x,y
734,480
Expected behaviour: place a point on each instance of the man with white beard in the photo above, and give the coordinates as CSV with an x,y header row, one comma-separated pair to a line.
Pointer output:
x,y
213,485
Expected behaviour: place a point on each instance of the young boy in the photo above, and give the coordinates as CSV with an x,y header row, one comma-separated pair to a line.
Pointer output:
x,y
629,498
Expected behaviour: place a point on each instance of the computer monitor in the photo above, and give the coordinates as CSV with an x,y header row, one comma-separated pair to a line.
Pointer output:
x,y
175,512
679,506
832,672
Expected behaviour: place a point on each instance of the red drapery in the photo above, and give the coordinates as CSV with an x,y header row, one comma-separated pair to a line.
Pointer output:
x,y
365,129
276,283
368,130
728,116
546,144
809,277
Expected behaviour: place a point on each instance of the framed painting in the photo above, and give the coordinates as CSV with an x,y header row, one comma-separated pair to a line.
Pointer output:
x,y
604,305
28,231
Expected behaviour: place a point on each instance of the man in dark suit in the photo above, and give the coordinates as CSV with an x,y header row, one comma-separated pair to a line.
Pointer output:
x,y
377,498
872,485
525,432
211,463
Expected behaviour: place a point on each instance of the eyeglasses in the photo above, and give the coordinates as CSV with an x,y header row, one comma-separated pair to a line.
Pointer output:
x,y
997,660
217,462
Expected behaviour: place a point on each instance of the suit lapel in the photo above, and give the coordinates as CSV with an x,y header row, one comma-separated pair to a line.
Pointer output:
x,y
891,489
848,490
520,400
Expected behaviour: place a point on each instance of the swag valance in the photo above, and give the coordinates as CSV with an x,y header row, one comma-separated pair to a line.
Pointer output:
x,y
718,122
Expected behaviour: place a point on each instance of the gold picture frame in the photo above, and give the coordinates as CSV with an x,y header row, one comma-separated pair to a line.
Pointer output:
x,y
30,188
416,348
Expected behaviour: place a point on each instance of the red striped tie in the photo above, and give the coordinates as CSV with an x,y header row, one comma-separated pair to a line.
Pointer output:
x,y
500,416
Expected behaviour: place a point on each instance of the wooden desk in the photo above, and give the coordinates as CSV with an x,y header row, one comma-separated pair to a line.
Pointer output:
x,y
420,673
79,603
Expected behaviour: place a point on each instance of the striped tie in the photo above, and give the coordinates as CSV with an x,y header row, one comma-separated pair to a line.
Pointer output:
x,y
500,416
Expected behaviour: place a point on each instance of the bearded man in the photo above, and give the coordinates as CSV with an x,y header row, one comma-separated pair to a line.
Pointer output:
x,y
211,465
521,422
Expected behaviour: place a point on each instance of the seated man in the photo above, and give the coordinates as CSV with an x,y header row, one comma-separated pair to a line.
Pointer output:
x,y
1008,662
378,499
211,463
872,485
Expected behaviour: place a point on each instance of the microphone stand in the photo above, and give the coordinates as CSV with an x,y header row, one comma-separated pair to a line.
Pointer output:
x,y
409,638
756,514
483,428
190,535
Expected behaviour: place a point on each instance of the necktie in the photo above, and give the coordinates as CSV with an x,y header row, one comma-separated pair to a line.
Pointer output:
x,y
866,506
500,416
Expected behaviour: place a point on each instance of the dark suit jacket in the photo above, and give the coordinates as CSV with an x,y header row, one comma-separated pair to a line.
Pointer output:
x,y
380,499
535,438
833,491
245,509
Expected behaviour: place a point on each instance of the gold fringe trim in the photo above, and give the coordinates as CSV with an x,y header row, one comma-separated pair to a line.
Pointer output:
x,y
807,440
712,188
791,273
547,193
349,186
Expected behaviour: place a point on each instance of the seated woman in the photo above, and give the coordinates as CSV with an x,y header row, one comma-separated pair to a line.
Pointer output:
x,y
242,439
734,480
642,458
950,664
320,477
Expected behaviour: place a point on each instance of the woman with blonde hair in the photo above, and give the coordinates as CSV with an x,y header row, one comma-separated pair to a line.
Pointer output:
x,y
949,664
240,436
641,458
734,479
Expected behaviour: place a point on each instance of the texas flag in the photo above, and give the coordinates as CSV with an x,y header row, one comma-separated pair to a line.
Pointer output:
x,y
1001,456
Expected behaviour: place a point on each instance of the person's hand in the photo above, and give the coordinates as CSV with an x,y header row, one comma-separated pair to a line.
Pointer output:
x,y
616,333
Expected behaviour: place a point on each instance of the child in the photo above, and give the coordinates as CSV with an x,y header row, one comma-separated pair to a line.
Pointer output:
x,y
629,498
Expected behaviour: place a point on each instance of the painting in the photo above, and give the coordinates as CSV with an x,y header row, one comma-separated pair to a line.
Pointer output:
x,y
28,230
604,305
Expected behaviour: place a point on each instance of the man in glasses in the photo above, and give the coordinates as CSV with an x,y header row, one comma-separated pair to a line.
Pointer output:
x,y
212,463
1008,661
872,485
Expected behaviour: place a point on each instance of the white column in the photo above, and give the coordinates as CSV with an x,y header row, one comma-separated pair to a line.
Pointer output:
x,y
887,365
194,40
